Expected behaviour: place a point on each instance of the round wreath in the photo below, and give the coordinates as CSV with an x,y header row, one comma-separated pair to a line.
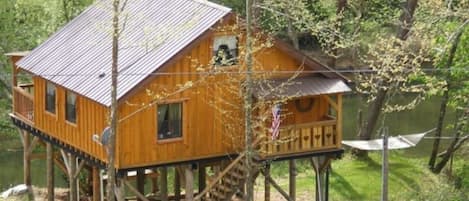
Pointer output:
x,y
304,108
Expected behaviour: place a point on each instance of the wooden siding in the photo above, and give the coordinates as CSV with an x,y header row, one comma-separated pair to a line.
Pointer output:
x,y
91,119
204,133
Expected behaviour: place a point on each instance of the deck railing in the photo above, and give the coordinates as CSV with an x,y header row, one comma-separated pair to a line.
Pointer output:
x,y
23,105
302,138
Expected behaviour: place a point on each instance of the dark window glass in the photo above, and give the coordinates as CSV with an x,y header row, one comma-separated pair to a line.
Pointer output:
x,y
50,97
71,107
169,121
225,50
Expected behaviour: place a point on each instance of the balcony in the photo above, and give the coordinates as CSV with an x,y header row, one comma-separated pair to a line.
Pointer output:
x,y
23,101
298,138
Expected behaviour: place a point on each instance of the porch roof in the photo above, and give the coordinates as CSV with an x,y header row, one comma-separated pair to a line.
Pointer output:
x,y
298,87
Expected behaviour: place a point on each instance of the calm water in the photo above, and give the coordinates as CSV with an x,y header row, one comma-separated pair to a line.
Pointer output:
x,y
423,118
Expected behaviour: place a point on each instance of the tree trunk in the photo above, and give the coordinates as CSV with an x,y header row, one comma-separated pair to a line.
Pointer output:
x,y
341,4
248,105
438,132
376,106
111,172
452,147
406,19
444,101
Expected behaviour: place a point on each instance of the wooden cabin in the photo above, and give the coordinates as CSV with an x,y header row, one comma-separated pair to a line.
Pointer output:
x,y
179,77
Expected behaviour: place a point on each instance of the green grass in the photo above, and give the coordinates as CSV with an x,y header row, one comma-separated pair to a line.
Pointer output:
x,y
360,180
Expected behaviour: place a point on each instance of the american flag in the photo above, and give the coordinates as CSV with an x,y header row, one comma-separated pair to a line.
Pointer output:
x,y
275,129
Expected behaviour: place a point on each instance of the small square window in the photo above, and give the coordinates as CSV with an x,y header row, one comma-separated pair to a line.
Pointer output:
x,y
71,107
225,50
50,97
169,119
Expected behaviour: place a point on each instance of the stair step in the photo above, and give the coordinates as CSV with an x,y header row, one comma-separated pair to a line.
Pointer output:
x,y
236,175
224,188
217,194
230,181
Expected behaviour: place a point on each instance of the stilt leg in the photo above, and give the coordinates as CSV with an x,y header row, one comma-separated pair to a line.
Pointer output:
x,y
267,183
164,183
96,184
141,182
177,185
50,172
292,182
189,183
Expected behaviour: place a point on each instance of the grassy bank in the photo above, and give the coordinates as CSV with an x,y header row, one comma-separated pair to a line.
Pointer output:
x,y
360,180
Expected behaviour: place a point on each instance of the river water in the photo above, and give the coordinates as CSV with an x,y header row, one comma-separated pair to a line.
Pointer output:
x,y
420,119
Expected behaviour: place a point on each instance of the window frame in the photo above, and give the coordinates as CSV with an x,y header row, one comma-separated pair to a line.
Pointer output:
x,y
215,48
52,110
177,137
67,94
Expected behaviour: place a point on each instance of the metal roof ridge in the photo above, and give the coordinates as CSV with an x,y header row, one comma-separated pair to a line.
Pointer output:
x,y
213,5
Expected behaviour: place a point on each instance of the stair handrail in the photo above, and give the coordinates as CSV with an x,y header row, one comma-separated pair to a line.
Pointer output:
x,y
225,171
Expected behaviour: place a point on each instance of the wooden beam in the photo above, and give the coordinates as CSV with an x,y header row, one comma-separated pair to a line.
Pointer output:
x,y
164,183
331,102
339,121
292,182
50,172
140,182
177,185
96,184
202,177
267,183
72,180
189,183
33,144
26,159
277,187
135,191
78,170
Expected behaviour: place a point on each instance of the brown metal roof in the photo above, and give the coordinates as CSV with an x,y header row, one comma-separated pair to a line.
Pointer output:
x,y
299,87
155,31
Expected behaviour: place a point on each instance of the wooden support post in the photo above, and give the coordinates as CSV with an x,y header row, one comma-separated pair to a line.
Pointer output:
x,y
96,184
189,183
154,183
164,183
120,187
27,163
50,172
277,187
202,177
135,191
339,121
177,185
292,182
141,182
71,177
267,183
320,164
26,159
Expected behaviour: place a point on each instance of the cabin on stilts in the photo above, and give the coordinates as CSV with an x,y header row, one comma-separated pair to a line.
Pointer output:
x,y
181,74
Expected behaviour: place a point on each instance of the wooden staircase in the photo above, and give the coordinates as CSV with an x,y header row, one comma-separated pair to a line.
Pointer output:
x,y
229,181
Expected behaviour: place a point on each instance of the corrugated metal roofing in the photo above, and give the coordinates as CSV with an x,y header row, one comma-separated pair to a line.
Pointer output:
x,y
299,87
155,31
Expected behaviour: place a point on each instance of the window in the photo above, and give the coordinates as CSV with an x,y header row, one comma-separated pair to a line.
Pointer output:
x,y
71,107
225,50
169,121
50,97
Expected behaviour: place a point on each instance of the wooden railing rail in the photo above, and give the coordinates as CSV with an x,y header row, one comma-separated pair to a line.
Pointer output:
x,y
302,138
226,170
23,103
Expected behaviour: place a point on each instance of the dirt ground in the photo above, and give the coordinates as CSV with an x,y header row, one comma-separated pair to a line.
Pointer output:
x,y
61,194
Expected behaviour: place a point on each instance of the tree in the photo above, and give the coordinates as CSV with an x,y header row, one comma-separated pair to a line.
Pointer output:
x,y
451,65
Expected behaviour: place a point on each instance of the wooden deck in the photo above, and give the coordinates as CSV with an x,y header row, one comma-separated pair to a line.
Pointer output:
x,y
23,102
308,137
